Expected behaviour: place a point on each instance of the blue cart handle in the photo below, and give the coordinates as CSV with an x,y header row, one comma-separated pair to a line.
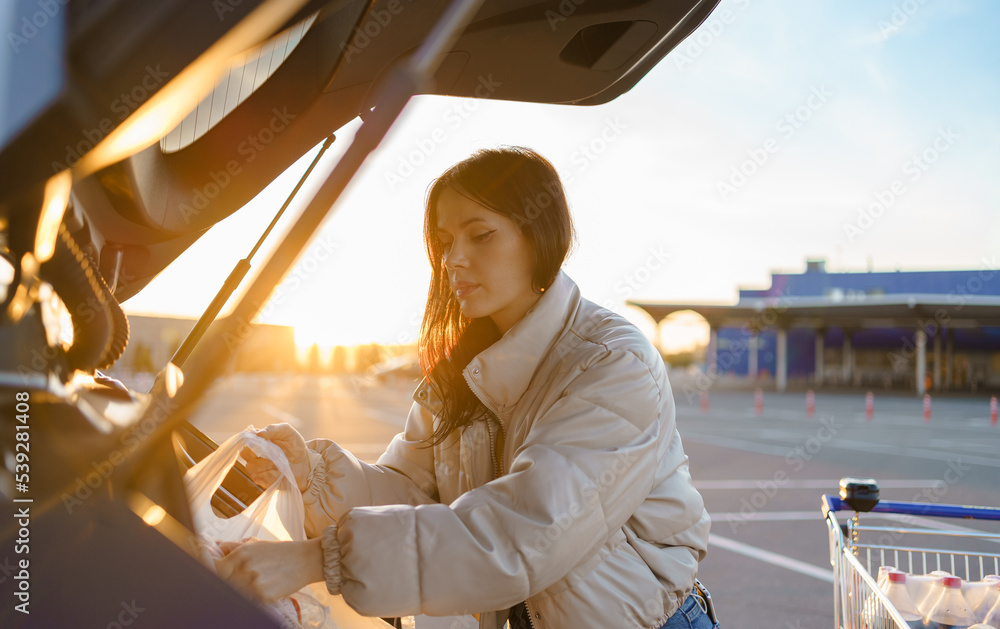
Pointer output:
x,y
833,503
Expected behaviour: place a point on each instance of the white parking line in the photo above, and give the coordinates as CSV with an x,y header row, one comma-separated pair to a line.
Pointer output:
x,y
735,444
809,483
842,444
767,556
906,521
767,516
917,453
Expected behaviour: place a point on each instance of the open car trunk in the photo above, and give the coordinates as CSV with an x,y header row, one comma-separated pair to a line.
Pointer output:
x,y
127,130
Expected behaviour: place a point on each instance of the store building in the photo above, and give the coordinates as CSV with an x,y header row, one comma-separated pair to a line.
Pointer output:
x,y
914,330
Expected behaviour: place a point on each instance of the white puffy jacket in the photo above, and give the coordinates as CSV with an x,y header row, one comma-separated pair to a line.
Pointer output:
x,y
589,514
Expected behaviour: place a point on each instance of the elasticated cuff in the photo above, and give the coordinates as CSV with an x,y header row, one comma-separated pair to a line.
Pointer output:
x,y
317,477
331,559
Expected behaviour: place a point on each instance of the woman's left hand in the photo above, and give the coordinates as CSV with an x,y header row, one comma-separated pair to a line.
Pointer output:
x,y
267,571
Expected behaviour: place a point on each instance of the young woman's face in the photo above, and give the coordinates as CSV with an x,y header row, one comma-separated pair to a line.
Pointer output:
x,y
488,260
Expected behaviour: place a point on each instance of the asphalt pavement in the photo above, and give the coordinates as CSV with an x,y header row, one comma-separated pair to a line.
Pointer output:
x,y
761,470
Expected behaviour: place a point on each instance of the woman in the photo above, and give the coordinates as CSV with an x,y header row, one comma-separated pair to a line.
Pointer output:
x,y
539,472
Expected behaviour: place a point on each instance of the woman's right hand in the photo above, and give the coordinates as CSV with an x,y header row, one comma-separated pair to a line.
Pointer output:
x,y
263,472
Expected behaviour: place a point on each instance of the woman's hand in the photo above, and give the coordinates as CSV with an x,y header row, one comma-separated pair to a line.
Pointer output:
x,y
267,571
263,472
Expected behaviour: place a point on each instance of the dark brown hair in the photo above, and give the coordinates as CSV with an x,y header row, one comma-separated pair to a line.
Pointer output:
x,y
514,182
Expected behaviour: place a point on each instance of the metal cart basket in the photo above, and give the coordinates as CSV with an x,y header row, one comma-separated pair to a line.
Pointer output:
x,y
912,542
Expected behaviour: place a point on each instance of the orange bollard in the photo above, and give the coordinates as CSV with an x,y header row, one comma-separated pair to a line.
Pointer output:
x,y
927,408
704,401
993,411
758,402
810,403
869,406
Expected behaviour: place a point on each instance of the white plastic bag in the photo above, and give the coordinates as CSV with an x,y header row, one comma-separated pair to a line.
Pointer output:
x,y
276,515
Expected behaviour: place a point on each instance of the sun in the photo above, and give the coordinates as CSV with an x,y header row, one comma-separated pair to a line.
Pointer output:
x,y
320,333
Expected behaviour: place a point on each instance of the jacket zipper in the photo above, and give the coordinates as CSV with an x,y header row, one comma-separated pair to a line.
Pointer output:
x,y
531,617
497,458
494,457
497,450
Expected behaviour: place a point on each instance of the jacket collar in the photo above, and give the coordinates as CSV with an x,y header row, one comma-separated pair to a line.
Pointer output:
x,y
502,372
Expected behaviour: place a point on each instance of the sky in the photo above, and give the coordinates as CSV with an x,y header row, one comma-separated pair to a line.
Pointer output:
x,y
865,133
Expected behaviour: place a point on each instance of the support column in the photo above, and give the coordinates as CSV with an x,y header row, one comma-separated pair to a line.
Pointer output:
x,y
820,359
712,351
782,359
753,348
921,341
937,359
949,361
848,358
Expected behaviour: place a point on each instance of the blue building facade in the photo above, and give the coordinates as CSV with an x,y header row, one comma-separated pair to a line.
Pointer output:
x,y
871,351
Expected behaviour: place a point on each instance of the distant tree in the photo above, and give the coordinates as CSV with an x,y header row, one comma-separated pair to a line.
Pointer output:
x,y
312,359
338,361
679,359
368,356
142,358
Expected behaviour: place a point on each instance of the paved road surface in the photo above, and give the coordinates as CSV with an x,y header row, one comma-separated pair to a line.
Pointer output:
x,y
761,476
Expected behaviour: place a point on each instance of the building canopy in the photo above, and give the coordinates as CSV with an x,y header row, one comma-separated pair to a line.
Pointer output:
x,y
866,311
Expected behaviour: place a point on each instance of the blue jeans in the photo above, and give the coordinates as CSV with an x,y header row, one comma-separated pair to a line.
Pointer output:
x,y
691,615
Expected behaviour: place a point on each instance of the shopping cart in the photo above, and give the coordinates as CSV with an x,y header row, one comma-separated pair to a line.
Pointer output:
x,y
915,544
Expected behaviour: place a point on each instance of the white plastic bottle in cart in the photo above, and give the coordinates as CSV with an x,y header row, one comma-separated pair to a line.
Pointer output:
x,y
992,615
950,611
981,595
883,575
925,589
895,590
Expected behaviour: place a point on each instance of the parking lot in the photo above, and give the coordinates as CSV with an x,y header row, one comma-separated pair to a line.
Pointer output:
x,y
761,475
